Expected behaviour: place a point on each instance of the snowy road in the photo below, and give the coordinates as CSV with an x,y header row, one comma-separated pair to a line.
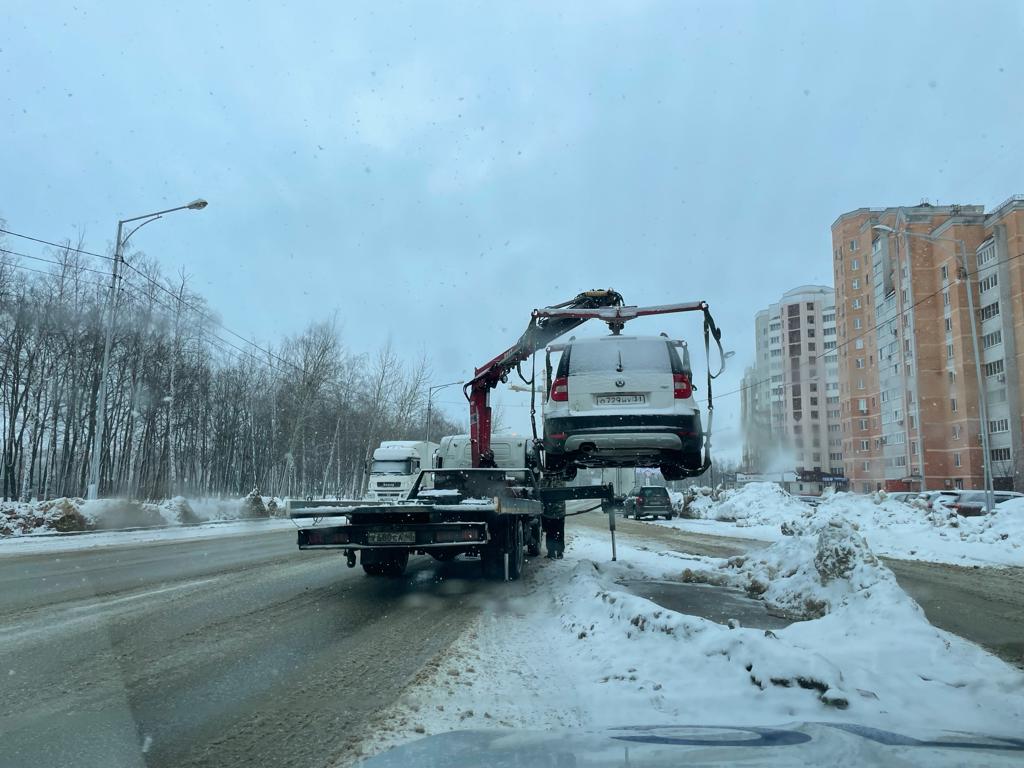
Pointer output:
x,y
226,652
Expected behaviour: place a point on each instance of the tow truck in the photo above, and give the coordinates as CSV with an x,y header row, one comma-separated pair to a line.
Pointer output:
x,y
495,513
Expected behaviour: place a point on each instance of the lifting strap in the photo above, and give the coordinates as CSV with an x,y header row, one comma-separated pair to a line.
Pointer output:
x,y
711,330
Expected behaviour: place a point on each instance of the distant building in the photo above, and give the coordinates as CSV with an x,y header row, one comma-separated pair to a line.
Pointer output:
x,y
790,406
908,387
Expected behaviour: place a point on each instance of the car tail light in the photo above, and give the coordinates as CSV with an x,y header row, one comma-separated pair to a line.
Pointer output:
x,y
682,387
639,499
560,390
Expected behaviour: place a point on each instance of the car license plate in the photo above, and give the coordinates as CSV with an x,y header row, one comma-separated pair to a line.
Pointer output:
x,y
391,537
621,399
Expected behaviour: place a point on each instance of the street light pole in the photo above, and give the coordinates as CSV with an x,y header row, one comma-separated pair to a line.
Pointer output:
x,y
101,390
430,398
982,394
965,275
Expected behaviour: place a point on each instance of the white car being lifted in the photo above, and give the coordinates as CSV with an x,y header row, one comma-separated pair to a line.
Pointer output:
x,y
622,401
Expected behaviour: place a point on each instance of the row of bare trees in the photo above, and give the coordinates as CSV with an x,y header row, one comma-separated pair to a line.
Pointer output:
x,y
189,409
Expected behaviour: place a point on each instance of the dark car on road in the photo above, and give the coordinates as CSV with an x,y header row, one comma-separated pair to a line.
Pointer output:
x,y
648,501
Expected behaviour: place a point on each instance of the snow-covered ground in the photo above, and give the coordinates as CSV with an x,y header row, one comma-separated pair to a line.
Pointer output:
x,y
19,545
578,650
766,512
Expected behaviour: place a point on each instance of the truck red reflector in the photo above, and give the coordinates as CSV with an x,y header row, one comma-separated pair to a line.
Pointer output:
x,y
560,390
682,387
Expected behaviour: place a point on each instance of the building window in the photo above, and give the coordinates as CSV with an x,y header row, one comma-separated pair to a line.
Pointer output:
x,y
994,368
991,339
990,310
862,405
956,460
989,282
860,383
860,362
949,351
857,323
958,484
810,306
986,253
999,425
867,466
956,431
853,245
945,298
855,284
1000,454
949,324
952,404
830,318
856,304
855,264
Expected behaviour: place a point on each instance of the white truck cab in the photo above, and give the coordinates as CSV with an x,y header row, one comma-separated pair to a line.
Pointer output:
x,y
395,466
510,450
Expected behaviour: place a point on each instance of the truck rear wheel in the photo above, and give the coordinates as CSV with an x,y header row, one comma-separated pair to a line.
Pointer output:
x,y
533,539
517,555
389,562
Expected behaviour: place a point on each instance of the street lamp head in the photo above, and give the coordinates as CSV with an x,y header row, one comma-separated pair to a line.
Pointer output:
x,y
884,228
197,205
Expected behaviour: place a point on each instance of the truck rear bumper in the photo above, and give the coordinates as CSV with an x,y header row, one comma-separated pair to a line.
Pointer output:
x,y
425,536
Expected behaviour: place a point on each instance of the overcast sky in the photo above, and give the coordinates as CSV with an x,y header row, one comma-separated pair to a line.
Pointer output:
x,y
433,171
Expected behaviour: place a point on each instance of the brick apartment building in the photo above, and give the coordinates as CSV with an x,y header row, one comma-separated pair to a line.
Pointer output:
x,y
909,411
790,406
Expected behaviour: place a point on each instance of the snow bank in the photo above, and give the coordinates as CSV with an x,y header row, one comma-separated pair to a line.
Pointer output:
x,y
578,651
810,574
67,515
764,511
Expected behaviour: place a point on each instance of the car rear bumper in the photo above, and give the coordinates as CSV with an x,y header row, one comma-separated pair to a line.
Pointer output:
x,y
627,434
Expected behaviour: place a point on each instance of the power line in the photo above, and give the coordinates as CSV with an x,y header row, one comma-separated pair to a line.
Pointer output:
x,y
56,263
63,247
166,306
205,315
50,274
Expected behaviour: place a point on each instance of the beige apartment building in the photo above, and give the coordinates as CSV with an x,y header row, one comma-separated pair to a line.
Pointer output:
x,y
790,406
908,388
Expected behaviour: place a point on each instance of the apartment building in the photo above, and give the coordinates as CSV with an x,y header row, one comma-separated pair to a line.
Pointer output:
x,y
908,388
791,393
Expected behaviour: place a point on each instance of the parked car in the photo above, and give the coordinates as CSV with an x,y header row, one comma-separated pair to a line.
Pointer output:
x,y
903,496
972,503
936,499
810,500
648,501
622,401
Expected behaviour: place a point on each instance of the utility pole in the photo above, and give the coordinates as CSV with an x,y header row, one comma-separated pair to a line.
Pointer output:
x,y
986,459
430,398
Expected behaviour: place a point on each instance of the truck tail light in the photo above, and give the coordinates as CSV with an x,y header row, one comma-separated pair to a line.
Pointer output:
x,y
560,390
682,387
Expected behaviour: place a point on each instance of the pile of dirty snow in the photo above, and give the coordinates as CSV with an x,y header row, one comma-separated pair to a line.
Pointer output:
x,y
71,515
579,651
806,575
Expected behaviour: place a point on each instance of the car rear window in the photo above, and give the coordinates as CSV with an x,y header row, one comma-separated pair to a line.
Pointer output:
x,y
654,492
972,496
634,355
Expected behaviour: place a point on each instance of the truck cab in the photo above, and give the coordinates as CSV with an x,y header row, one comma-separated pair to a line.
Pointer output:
x,y
395,466
510,451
